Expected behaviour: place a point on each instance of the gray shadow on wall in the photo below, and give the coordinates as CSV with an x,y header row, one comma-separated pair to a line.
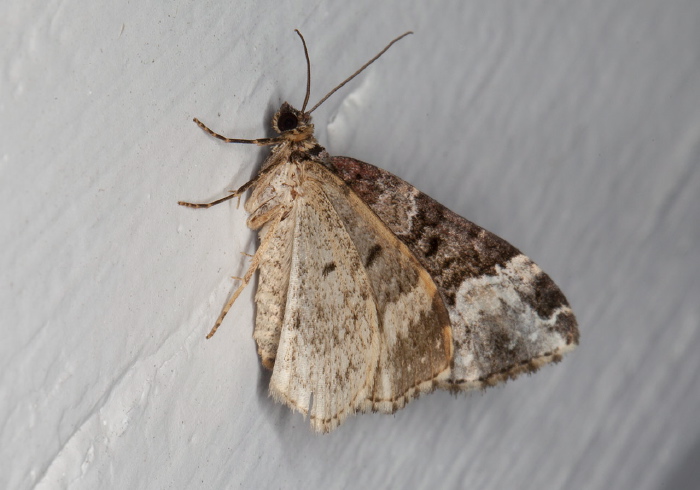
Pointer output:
x,y
686,475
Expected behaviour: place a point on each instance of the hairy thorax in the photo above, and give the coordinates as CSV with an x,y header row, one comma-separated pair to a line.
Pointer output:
x,y
280,182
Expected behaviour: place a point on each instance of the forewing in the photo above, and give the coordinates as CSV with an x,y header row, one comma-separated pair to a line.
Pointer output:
x,y
329,342
414,325
507,315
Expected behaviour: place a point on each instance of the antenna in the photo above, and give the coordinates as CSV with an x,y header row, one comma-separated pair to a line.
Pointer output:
x,y
308,71
362,68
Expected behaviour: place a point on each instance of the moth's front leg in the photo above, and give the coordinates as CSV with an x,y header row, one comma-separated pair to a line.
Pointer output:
x,y
237,193
209,204
260,256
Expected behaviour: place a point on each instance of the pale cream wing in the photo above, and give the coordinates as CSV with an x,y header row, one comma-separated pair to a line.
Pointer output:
x,y
271,295
415,333
329,341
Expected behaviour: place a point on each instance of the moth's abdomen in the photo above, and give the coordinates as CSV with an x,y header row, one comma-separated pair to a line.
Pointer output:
x,y
273,284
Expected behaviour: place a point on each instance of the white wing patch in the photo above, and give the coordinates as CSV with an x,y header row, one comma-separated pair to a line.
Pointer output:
x,y
505,335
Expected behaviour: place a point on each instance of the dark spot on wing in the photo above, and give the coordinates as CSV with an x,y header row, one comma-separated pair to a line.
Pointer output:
x,y
328,268
548,297
372,255
432,246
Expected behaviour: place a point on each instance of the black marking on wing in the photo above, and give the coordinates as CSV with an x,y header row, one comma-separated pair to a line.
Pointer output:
x,y
372,255
328,268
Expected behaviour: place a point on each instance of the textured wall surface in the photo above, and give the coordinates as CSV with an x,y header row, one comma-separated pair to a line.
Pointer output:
x,y
571,129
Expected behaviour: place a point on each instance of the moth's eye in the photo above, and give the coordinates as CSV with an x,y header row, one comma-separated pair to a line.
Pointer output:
x,y
287,121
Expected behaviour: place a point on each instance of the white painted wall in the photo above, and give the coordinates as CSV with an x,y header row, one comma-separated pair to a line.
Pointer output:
x,y
572,129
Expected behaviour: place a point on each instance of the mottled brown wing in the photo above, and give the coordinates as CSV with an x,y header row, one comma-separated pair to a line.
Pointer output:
x,y
507,315
415,338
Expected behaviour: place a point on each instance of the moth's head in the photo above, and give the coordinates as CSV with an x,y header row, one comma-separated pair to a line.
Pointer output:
x,y
293,123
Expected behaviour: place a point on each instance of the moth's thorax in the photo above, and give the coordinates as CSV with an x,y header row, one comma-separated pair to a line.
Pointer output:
x,y
300,134
276,190
294,147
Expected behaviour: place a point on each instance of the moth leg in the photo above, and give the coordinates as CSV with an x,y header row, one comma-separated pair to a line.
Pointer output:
x,y
210,204
237,193
258,141
249,274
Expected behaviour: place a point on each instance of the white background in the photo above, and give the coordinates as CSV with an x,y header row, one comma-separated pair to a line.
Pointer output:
x,y
572,129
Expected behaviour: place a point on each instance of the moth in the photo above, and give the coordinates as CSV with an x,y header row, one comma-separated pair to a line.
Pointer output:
x,y
371,293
